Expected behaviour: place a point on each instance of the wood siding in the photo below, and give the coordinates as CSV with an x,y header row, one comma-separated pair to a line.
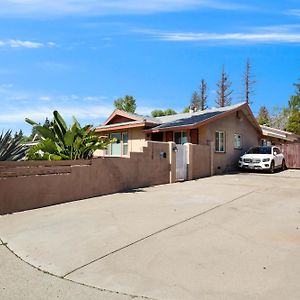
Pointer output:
x,y
291,154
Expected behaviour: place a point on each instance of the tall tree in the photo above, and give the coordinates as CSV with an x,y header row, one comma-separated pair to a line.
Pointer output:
x,y
263,117
278,117
199,99
293,123
127,104
224,90
203,95
248,83
195,101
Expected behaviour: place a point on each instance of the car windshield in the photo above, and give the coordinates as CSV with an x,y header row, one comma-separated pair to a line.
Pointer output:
x,y
260,150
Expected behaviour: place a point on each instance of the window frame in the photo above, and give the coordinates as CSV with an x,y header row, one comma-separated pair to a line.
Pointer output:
x,y
183,134
121,143
240,141
124,144
224,141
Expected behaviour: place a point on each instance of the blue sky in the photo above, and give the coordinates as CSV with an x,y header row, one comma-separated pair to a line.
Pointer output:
x,y
77,56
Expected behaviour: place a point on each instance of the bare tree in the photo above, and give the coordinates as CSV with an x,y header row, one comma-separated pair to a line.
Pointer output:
x,y
248,82
199,99
195,101
224,90
203,95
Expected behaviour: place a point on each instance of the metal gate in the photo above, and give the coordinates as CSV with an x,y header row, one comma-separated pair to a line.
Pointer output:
x,y
181,162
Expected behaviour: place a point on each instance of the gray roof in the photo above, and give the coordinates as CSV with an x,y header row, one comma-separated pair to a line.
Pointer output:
x,y
187,119
183,119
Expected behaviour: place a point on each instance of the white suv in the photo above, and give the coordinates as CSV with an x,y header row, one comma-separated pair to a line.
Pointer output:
x,y
262,158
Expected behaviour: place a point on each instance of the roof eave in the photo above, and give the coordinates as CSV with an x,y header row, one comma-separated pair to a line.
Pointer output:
x,y
122,114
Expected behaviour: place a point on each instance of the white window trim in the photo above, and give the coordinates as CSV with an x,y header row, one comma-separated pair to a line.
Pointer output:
x,y
108,151
122,143
241,141
224,141
181,135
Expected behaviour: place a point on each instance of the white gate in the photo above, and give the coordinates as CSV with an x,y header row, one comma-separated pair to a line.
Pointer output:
x,y
181,162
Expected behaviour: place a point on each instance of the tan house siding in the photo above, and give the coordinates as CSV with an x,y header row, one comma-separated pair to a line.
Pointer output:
x,y
136,139
230,125
203,135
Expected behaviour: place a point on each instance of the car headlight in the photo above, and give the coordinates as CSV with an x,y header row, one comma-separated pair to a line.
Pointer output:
x,y
241,159
266,159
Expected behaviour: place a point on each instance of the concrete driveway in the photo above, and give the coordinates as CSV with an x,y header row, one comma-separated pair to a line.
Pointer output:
x,y
223,237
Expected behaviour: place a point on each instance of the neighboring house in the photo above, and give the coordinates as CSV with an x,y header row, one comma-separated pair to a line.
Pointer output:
x,y
274,136
229,130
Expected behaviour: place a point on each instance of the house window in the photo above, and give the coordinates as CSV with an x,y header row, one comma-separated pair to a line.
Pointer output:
x,y
237,141
180,137
120,146
220,141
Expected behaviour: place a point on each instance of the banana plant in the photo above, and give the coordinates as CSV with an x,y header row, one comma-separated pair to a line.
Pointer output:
x,y
11,148
62,143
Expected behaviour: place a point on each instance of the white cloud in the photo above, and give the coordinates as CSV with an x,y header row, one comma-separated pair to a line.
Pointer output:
x,y
53,66
24,44
16,105
94,98
104,7
45,98
268,35
293,12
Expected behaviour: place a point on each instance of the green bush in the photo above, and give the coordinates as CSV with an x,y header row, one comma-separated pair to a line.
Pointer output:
x,y
11,148
62,143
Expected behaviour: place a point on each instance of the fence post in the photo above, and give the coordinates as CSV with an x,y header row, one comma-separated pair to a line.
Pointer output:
x,y
172,162
212,152
190,161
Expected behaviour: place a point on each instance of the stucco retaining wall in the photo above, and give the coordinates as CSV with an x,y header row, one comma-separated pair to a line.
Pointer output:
x,y
34,184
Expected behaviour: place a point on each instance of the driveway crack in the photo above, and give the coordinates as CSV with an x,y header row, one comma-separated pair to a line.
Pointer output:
x,y
157,232
2,243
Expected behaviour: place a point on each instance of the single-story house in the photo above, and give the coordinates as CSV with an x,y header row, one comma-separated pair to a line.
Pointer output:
x,y
274,136
230,131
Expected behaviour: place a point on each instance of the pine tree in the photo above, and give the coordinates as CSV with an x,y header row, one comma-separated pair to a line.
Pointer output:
x,y
224,90
248,82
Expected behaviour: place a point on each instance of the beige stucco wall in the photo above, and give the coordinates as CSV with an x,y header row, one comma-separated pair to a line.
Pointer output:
x,y
136,139
200,161
28,185
227,161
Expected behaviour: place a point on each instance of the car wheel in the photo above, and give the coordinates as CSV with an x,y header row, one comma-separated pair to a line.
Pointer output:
x,y
272,167
283,165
